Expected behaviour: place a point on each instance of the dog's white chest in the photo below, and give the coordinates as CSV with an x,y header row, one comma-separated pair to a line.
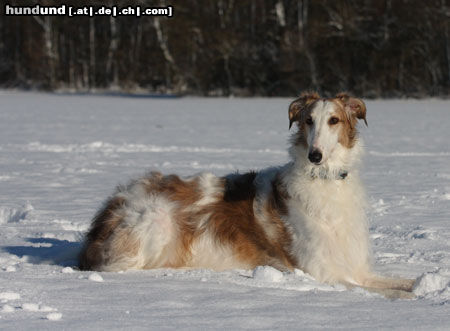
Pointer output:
x,y
329,228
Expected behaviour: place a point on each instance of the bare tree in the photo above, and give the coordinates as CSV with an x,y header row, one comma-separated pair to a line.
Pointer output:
x,y
46,24
111,65
92,68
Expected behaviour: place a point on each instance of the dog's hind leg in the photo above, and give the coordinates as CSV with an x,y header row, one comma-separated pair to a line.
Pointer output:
x,y
391,288
391,294
388,293
390,283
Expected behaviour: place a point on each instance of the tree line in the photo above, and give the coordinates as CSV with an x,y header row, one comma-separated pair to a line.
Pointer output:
x,y
372,48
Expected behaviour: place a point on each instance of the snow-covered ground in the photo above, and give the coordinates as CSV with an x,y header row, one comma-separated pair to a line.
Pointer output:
x,y
61,155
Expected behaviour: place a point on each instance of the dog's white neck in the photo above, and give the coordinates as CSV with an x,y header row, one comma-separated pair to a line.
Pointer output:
x,y
342,163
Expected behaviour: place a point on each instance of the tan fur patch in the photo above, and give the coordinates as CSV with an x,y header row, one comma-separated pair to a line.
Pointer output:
x,y
347,123
302,136
233,224
355,106
299,106
176,189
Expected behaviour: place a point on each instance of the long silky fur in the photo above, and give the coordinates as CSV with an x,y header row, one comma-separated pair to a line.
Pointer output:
x,y
299,215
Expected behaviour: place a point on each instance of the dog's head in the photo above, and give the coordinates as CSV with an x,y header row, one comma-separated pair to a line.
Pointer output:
x,y
326,123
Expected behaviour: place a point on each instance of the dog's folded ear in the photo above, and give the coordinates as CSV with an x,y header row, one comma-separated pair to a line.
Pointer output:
x,y
299,105
354,106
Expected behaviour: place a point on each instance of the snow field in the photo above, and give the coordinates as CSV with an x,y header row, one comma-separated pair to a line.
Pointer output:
x,y
61,156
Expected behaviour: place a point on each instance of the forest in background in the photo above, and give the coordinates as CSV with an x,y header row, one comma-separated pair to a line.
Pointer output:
x,y
372,48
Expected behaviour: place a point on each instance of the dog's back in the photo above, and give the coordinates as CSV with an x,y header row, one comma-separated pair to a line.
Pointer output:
x,y
198,222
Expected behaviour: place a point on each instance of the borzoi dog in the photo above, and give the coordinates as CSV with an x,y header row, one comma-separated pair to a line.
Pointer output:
x,y
308,214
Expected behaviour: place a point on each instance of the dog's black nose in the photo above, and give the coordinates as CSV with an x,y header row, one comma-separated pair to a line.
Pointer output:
x,y
315,156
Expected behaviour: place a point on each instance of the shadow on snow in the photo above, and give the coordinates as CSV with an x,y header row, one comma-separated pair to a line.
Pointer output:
x,y
47,251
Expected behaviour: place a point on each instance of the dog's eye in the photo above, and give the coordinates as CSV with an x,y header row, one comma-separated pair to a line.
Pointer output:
x,y
309,121
333,121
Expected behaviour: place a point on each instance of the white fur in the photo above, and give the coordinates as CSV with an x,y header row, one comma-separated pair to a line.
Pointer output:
x,y
328,224
326,214
222,257
210,188
148,221
320,135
